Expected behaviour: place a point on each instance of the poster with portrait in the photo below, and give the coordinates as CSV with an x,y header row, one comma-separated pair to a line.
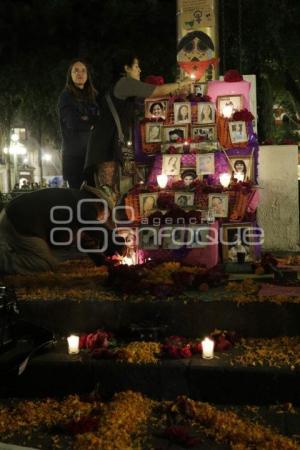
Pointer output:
x,y
188,175
175,238
156,108
197,236
200,89
171,164
238,132
237,242
153,132
182,112
184,199
206,113
227,105
148,203
242,167
218,204
204,132
205,164
174,133
148,238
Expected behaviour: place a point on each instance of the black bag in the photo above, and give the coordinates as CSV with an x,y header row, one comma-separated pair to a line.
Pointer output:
x,y
126,152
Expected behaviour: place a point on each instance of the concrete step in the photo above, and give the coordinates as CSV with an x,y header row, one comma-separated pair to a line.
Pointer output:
x,y
55,372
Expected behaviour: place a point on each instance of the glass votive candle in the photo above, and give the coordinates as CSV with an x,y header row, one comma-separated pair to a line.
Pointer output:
x,y
207,348
225,179
73,344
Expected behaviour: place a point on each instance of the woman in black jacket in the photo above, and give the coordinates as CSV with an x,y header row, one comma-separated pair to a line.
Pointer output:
x,y
104,156
78,112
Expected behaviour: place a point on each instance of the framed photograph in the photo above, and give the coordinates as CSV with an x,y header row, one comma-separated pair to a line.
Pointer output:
x,y
172,134
182,112
218,203
148,238
156,108
148,203
228,105
171,164
176,238
205,164
165,147
184,199
242,165
153,132
237,242
188,175
200,89
238,132
206,113
197,236
204,132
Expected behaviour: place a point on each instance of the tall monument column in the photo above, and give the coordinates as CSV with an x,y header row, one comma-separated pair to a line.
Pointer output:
x,y
198,38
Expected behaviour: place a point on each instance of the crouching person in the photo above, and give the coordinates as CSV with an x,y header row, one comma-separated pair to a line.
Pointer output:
x,y
36,226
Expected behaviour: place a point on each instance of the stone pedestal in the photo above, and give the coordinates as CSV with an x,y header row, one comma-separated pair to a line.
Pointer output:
x,y
278,212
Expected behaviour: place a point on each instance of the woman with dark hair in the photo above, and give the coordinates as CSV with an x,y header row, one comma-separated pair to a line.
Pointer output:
x,y
240,168
104,155
78,112
157,110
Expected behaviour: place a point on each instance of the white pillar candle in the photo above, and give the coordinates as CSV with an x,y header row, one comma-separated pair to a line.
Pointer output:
x,y
208,348
73,344
225,179
162,180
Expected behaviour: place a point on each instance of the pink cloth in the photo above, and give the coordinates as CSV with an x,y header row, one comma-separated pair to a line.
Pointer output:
x,y
223,88
207,256
253,202
270,289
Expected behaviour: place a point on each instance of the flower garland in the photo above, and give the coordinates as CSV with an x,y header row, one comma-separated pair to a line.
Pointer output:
x,y
132,420
277,352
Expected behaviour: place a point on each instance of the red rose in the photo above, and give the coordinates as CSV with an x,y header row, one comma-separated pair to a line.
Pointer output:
x,y
232,75
196,347
82,341
185,352
153,79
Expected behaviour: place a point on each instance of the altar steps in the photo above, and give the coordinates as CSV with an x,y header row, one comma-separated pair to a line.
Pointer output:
x,y
192,318
56,373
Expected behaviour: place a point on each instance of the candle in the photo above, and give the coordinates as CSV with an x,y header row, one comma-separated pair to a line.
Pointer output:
x,y
127,260
225,179
162,180
207,348
73,344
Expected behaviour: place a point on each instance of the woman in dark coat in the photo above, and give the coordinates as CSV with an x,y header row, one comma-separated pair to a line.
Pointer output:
x,y
78,112
104,156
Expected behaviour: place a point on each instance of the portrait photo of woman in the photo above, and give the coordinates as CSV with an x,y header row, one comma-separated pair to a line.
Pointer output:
x,y
182,112
155,109
205,164
148,204
206,113
153,132
218,203
241,168
171,164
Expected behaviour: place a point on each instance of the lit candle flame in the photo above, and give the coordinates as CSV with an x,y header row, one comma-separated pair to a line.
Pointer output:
x,y
162,180
225,179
